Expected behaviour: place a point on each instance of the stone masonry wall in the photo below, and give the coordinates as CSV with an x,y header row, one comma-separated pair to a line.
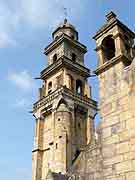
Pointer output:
x,y
113,157
88,165
118,123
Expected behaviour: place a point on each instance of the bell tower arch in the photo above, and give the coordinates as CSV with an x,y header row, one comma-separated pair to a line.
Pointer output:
x,y
115,51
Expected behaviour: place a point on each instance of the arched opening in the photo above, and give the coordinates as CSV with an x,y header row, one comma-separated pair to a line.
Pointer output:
x,y
73,57
49,87
79,87
108,47
56,37
127,45
54,58
72,36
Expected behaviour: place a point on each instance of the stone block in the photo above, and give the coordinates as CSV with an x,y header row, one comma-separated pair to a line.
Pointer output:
x,y
109,151
125,115
113,160
129,156
124,167
110,121
106,132
106,109
130,176
123,147
124,136
112,139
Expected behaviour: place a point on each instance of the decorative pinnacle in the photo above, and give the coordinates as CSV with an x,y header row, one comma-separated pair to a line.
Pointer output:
x,y
111,15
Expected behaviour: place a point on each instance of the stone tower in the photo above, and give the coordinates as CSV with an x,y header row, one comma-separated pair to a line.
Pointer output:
x,y
116,74
65,110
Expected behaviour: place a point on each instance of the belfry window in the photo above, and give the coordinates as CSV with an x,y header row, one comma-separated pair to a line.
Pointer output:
x,y
56,37
54,58
72,36
73,57
127,45
79,87
49,87
108,47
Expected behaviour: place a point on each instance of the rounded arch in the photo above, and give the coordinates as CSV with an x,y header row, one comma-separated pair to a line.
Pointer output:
x,y
74,57
49,87
54,58
79,86
108,47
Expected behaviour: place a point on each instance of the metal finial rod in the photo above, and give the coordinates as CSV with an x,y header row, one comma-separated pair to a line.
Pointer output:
x,y
65,12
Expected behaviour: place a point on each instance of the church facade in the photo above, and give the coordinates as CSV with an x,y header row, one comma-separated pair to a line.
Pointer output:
x,y
66,143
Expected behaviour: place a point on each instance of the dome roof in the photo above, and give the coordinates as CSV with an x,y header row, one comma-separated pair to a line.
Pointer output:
x,y
66,24
65,28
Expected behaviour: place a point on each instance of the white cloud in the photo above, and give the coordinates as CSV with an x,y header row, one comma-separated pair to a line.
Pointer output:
x,y
22,80
33,13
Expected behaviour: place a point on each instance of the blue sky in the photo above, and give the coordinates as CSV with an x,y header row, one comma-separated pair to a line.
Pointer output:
x,y
25,29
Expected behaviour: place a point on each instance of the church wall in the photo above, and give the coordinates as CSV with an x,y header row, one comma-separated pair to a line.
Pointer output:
x,y
88,165
48,130
63,139
46,162
80,128
37,165
68,50
116,131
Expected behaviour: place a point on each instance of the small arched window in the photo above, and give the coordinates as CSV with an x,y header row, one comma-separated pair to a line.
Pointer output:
x,y
56,37
72,36
73,57
49,87
127,45
108,47
79,87
54,58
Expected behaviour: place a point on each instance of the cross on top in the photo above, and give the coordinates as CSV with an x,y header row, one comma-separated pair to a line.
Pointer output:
x,y
65,12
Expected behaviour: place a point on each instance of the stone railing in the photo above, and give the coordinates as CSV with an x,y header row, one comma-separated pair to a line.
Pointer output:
x,y
67,92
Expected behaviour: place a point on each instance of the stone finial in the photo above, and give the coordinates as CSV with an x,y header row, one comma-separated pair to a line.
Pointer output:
x,y
65,21
111,15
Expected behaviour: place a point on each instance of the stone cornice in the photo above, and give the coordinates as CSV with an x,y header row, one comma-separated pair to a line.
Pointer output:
x,y
110,63
109,25
40,150
60,40
64,62
78,99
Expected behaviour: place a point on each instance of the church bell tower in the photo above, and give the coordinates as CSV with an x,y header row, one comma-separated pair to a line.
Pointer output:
x,y
65,110
116,56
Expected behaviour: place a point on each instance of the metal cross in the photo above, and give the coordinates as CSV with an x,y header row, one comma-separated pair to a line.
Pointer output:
x,y
65,12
